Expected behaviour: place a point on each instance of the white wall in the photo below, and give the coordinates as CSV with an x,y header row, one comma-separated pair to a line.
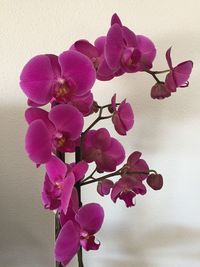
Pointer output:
x,y
163,230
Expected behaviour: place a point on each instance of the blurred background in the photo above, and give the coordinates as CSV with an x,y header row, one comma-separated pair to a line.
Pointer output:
x,y
163,229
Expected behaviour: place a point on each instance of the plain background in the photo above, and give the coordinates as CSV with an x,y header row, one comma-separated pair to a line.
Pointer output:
x,y
163,229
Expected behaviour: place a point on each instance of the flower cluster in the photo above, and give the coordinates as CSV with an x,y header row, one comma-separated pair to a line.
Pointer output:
x,y
65,82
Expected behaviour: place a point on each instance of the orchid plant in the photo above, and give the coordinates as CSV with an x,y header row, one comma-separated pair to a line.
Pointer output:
x,y
65,82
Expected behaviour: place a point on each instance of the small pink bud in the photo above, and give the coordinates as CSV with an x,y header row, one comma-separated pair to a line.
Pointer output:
x,y
155,181
159,91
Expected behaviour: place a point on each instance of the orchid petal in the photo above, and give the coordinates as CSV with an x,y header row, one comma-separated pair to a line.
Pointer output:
x,y
129,37
168,58
126,115
79,68
89,243
113,102
119,127
100,43
104,73
38,78
56,169
32,114
182,72
38,142
83,103
90,217
80,170
86,48
114,47
104,187
67,243
116,151
101,139
115,19
67,119
148,51
67,189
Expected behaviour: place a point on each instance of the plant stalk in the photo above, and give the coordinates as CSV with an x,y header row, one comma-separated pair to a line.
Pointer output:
x,y
78,157
61,156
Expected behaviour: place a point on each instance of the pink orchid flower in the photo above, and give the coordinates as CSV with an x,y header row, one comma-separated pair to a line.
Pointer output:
x,y
65,79
104,150
59,183
131,184
179,75
126,188
136,164
57,130
80,230
96,54
126,51
123,117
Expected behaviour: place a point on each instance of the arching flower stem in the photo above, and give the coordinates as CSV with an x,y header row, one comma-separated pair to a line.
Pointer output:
x,y
154,73
116,173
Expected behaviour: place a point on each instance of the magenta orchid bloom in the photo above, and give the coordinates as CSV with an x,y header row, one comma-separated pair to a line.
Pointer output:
x,y
126,188
104,187
123,117
104,150
66,79
79,231
179,75
96,54
136,164
57,130
131,183
59,183
126,51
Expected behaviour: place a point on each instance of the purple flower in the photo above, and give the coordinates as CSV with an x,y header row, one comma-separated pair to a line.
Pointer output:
x,y
96,54
136,164
123,117
57,130
66,79
126,188
104,150
126,51
104,187
79,231
131,182
179,75
59,183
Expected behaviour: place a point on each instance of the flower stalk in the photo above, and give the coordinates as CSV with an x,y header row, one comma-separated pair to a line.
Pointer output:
x,y
78,158
61,156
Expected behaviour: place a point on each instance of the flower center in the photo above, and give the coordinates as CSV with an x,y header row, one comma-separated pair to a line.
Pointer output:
x,y
85,235
95,62
60,142
59,185
61,91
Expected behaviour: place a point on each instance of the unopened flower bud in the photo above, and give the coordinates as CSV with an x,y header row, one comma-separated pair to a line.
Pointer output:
x,y
155,181
159,91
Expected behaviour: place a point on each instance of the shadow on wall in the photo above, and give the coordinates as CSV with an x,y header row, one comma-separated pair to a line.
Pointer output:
x,y
160,246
